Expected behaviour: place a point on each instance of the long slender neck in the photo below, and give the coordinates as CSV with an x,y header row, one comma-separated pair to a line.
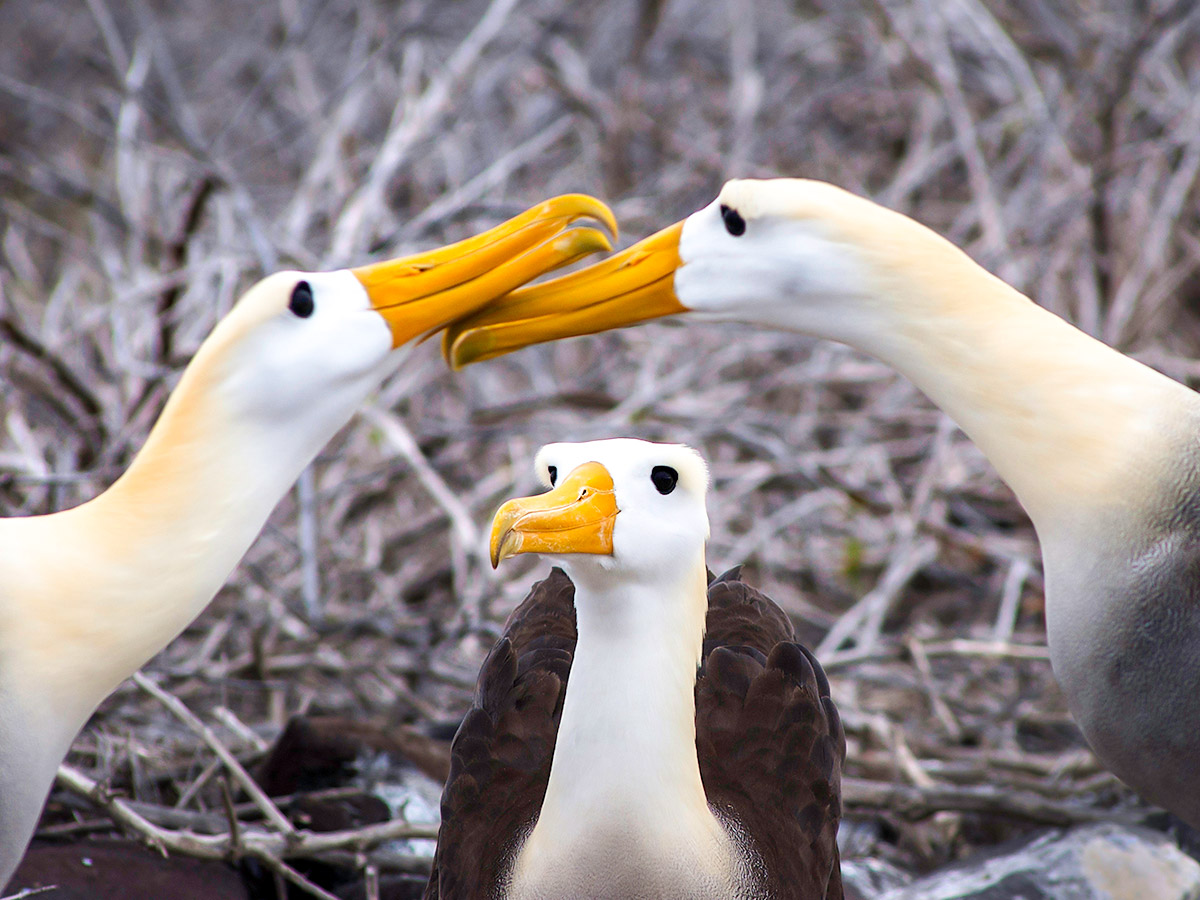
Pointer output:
x,y
90,594
1064,418
1099,448
626,748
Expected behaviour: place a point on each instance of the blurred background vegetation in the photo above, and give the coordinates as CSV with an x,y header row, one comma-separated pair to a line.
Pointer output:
x,y
156,158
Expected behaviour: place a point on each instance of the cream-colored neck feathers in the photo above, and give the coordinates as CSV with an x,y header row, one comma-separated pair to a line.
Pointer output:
x,y
625,797
1085,436
1066,420
1099,449
89,595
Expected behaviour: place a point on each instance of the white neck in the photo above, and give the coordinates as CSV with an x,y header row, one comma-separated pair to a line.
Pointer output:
x,y
1099,449
95,591
88,595
625,780
1065,419
630,711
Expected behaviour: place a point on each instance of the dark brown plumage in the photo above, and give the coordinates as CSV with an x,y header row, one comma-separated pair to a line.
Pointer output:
x,y
769,741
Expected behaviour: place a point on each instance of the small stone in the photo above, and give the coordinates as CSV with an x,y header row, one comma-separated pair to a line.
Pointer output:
x,y
871,877
1097,862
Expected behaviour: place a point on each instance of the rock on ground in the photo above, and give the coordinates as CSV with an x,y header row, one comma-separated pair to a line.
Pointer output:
x,y
1098,862
866,879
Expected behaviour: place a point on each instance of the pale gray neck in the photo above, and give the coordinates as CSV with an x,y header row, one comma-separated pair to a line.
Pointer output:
x,y
1082,434
29,756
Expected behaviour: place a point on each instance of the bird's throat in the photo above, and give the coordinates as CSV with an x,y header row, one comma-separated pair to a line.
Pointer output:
x,y
1066,420
625,780
104,586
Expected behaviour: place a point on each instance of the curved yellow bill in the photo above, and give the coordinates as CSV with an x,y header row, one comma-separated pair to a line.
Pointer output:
x,y
633,286
576,516
419,294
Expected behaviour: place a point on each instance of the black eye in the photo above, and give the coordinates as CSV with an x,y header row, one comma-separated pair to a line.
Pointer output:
x,y
734,223
664,478
301,303
553,470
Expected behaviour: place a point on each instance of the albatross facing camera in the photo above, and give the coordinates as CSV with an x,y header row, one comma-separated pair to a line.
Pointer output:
x,y
1100,449
695,754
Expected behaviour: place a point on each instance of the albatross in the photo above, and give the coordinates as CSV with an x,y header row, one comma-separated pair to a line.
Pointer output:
x,y
89,594
642,734
1100,450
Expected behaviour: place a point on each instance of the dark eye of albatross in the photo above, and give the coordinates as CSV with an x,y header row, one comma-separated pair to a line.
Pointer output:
x,y
301,304
553,472
665,478
734,223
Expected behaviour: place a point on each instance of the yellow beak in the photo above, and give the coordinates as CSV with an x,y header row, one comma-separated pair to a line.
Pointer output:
x,y
631,287
419,294
577,516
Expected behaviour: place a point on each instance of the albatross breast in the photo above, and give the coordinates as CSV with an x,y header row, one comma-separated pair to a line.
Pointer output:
x,y
769,744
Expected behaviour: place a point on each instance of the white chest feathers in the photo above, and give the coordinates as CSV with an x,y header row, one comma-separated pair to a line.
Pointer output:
x,y
620,858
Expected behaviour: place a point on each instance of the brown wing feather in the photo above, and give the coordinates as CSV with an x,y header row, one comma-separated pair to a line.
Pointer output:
x,y
500,758
770,741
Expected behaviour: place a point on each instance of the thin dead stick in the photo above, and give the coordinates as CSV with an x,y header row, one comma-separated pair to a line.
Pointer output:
x,y
1010,599
307,539
491,177
910,559
30,892
892,736
189,820
946,71
954,647
401,439
997,649
468,544
117,53
914,803
185,715
279,867
940,708
1164,221
746,82
198,784
414,123
314,184
297,844
229,719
